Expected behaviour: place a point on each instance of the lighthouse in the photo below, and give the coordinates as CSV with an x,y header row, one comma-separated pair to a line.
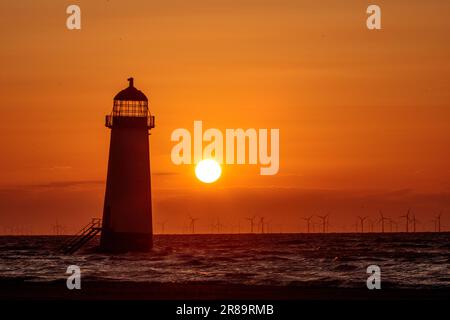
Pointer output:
x,y
127,211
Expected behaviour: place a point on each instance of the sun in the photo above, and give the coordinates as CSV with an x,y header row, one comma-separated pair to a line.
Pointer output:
x,y
208,171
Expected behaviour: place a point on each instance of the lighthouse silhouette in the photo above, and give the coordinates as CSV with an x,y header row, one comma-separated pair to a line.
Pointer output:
x,y
127,211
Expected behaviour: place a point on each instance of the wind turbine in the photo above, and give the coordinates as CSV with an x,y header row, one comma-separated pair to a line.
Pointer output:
x,y
362,219
252,223
192,224
261,222
324,219
407,219
382,219
438,221
308,222
414,221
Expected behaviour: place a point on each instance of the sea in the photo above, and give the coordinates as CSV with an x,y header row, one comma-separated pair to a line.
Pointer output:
x,y
406,260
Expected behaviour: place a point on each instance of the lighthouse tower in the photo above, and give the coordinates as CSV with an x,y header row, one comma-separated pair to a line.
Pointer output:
x,y
127,212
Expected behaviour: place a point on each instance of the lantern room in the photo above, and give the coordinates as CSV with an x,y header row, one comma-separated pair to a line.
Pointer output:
x,y
130,103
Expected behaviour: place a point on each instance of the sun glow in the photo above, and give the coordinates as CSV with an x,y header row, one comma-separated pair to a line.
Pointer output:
x,y
208,171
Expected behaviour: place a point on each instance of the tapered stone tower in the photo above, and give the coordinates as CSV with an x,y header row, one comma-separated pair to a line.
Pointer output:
x,y
127,212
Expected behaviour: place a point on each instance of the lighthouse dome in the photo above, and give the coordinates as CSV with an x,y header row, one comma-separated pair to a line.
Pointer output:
x,y
131,104
131,93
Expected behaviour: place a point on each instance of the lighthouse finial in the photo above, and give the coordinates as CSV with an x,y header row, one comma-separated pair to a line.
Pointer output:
x,y
131,81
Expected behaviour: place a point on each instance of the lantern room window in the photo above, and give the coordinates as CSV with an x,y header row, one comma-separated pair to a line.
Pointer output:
x,y
130,108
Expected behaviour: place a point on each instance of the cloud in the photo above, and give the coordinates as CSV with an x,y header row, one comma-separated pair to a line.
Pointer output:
x,y
162,173
50,185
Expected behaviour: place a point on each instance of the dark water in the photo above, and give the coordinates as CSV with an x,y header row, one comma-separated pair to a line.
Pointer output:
x,y
337,260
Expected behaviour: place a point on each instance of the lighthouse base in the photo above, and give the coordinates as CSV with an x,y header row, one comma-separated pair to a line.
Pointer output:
x,y
125,241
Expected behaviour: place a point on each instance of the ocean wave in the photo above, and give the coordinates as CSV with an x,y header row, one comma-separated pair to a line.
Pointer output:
x,y
338,260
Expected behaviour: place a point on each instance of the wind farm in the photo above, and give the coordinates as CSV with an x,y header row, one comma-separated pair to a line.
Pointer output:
x,y
378,222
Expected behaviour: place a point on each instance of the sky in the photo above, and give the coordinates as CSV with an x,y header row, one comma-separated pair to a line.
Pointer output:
x,y
363,115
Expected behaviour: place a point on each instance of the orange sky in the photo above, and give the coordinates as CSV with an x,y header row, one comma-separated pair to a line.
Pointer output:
x,y
363,115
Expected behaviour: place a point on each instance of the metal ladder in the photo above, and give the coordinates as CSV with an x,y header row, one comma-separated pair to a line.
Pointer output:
x,y
83,236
